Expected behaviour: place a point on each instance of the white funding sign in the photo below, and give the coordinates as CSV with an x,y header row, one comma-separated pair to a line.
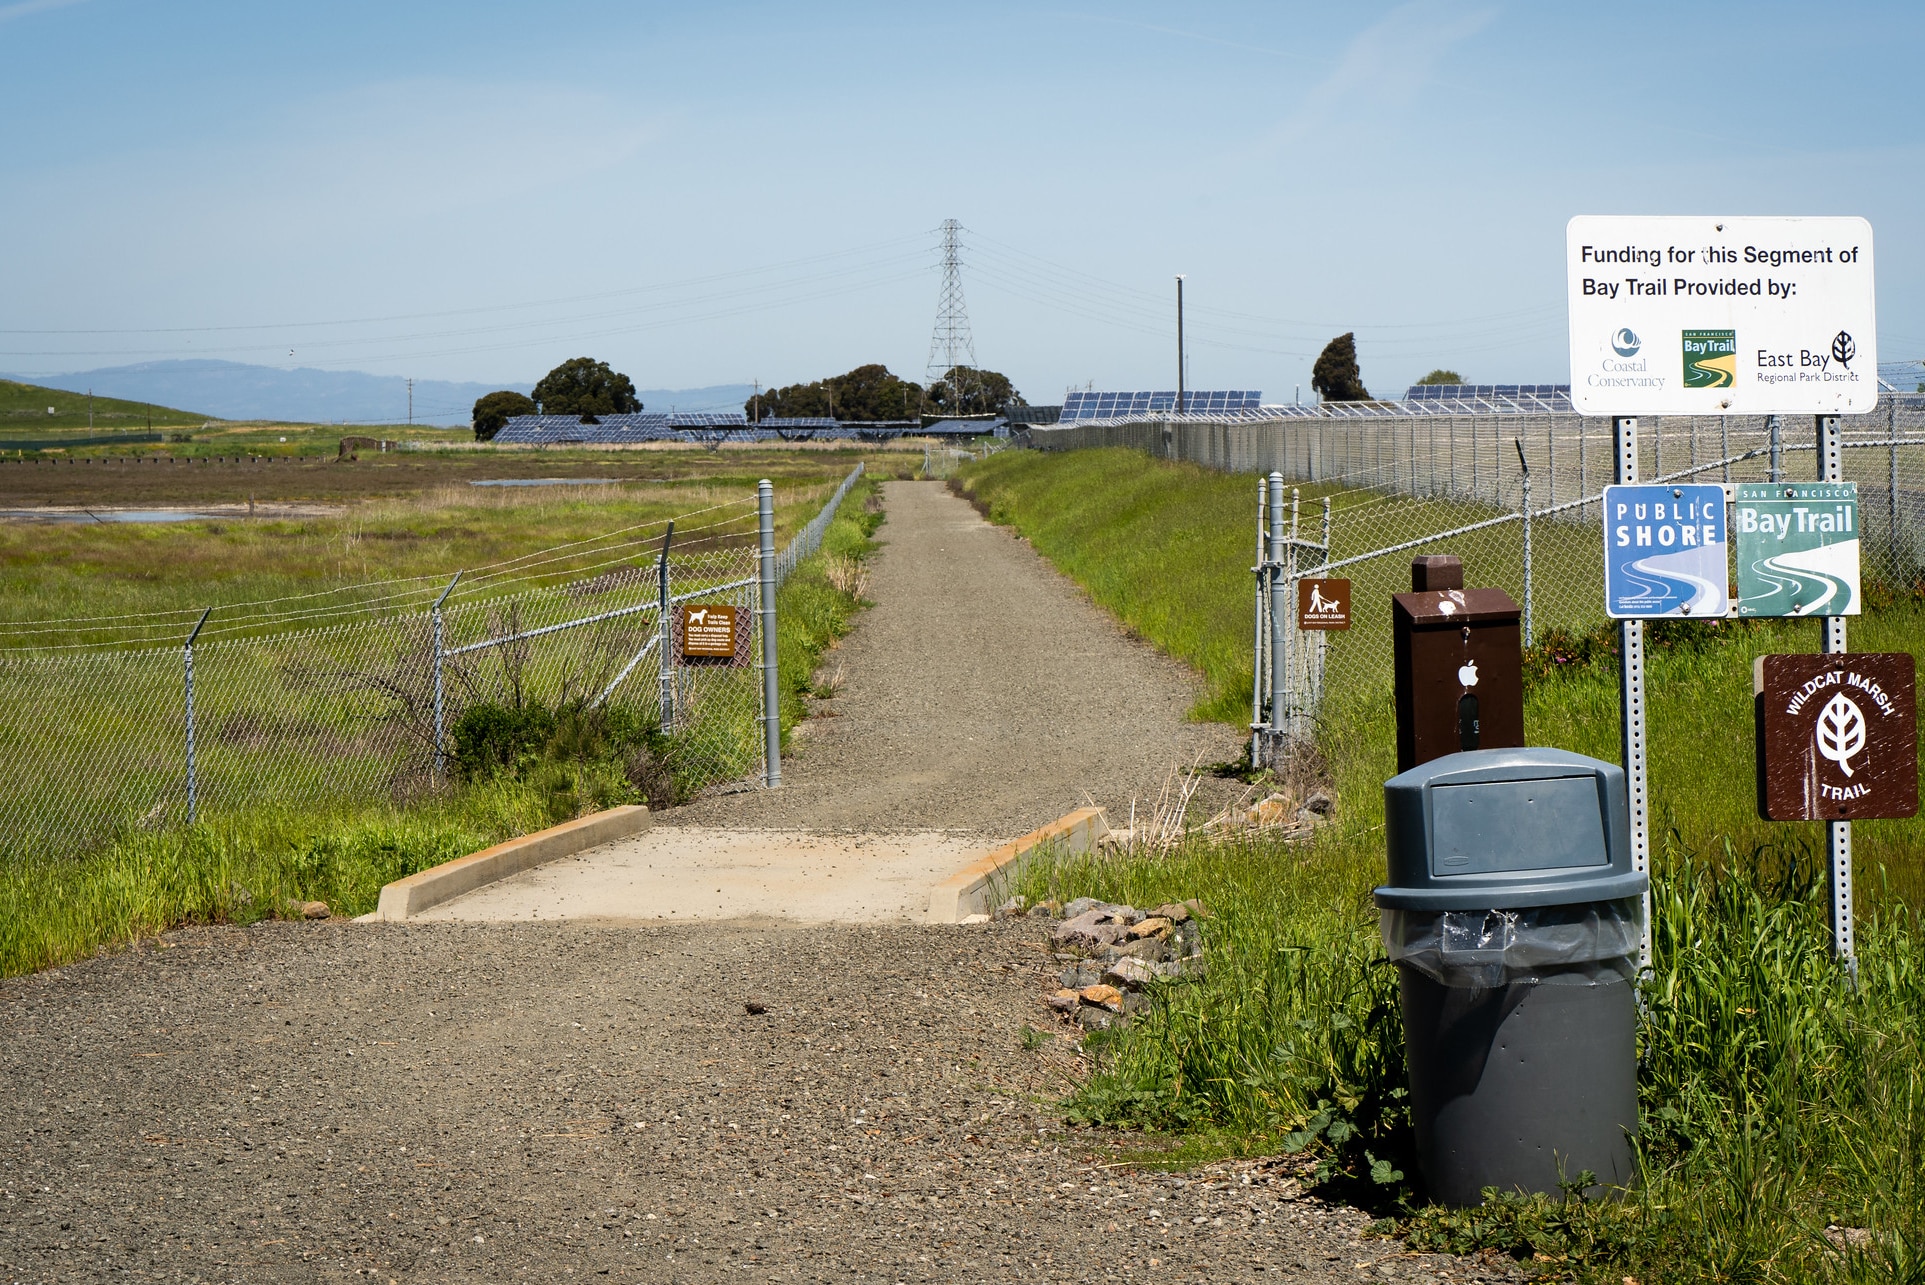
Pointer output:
x,y
1721,316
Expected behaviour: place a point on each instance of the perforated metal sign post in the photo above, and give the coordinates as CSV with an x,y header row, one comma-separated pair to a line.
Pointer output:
x,y
1323,604
1837,736
1797,547
1664,552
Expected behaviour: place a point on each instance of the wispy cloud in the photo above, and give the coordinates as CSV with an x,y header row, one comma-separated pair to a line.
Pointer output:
x,y
22,8
1386,66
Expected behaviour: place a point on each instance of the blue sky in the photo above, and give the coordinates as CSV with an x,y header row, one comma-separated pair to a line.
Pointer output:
x,y
723,192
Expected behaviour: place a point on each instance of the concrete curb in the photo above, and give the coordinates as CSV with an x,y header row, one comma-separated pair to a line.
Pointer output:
x,y
431,887
967,892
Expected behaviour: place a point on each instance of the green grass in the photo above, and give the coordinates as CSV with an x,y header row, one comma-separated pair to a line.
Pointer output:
x,y
1167,548
1776,1099
243,863
23,413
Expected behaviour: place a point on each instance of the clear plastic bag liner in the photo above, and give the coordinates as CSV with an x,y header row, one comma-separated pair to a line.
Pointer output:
x,y
1485,949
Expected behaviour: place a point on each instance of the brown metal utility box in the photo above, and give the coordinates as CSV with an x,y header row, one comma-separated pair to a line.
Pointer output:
x,y
1460,668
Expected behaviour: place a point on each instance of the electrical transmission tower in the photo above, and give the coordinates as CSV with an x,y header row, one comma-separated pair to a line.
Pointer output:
x,y
950,346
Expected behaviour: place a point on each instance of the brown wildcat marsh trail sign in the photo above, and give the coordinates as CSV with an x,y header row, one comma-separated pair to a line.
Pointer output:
x,y
1837,736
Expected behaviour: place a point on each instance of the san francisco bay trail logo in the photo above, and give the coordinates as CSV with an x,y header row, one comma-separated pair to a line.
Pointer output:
x,y
1625,343
1843,349
1710,358
1841,731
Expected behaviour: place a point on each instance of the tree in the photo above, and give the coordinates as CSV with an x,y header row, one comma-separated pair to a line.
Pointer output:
x,y
494,410
964,390
866,394
586,387
1442,376
1335,376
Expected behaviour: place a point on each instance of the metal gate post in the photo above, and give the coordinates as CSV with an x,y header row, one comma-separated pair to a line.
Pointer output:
x,y
771,686
440,739
187,650
1891,492
1837,833
1279,674
1624,430
665,636
1261,570
1775,426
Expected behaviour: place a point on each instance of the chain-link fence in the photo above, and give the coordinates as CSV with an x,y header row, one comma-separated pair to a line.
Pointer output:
x,y
1516,496
356,693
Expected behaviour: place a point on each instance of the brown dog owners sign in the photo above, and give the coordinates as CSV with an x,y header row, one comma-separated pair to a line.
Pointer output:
x,y
1837,736
1323,604
708,631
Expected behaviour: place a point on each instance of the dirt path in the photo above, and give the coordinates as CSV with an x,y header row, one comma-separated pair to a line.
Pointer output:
x,y
556,1101
549,1102
982,693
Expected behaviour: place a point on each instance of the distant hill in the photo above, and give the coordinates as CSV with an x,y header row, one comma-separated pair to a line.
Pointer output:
x,y
26,406
234,390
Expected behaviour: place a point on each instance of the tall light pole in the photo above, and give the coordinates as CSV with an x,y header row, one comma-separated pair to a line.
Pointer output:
x,y
1179,343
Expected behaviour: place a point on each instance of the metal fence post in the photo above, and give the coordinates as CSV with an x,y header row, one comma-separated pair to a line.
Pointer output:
x,y
440,738
1776,428
1891,492
1293,644
1837,833
1530,637
1257,667
193,782
771,686
665,635
1279,675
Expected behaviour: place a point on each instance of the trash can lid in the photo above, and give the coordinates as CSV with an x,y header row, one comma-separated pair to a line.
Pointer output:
x,y
1506,829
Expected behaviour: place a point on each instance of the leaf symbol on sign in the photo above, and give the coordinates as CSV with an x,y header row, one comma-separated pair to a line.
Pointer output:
x,y
1843,349
1841,731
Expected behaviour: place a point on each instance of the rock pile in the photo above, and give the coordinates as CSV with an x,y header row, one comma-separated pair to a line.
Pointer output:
x,y
1110,955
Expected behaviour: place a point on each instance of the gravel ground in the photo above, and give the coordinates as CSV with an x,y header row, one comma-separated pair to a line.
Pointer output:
x,y
982,693
552,1101
544,1102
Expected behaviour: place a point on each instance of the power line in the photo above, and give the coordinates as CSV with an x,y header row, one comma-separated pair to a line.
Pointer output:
x,y
950,344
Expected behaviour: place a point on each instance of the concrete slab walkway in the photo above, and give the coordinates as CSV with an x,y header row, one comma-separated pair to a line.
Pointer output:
x,y
684,873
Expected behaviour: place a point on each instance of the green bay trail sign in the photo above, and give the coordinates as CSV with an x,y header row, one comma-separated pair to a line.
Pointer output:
x,y
1837,736
1797,548
1721,316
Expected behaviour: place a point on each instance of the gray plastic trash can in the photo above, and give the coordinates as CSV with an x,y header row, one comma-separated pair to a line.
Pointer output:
x,y
1514,918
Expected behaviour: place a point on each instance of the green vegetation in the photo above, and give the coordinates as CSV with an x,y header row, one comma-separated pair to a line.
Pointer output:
x,y
493,411
24,407
517,766
1167,548
1442,376
586,387
1335,375
866,393
1777,1100
964,390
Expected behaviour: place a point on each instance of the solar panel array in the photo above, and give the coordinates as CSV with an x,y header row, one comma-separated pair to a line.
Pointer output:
x,y
707,419
1092,405
1489,392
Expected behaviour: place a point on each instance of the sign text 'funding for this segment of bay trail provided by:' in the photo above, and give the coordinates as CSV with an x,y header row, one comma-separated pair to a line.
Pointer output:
x,y
1721,316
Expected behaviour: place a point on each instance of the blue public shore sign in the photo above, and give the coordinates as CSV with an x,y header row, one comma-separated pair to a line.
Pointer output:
x,y
1665,552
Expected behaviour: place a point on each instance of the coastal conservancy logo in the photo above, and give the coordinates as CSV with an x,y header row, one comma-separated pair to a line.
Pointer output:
x,y
1710,358
1625,343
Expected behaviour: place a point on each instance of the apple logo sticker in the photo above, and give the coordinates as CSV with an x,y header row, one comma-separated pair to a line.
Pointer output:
x,y
1467,674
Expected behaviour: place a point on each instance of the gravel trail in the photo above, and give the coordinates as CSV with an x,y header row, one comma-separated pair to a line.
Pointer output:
x,y
562,1101
983,693
345,1102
